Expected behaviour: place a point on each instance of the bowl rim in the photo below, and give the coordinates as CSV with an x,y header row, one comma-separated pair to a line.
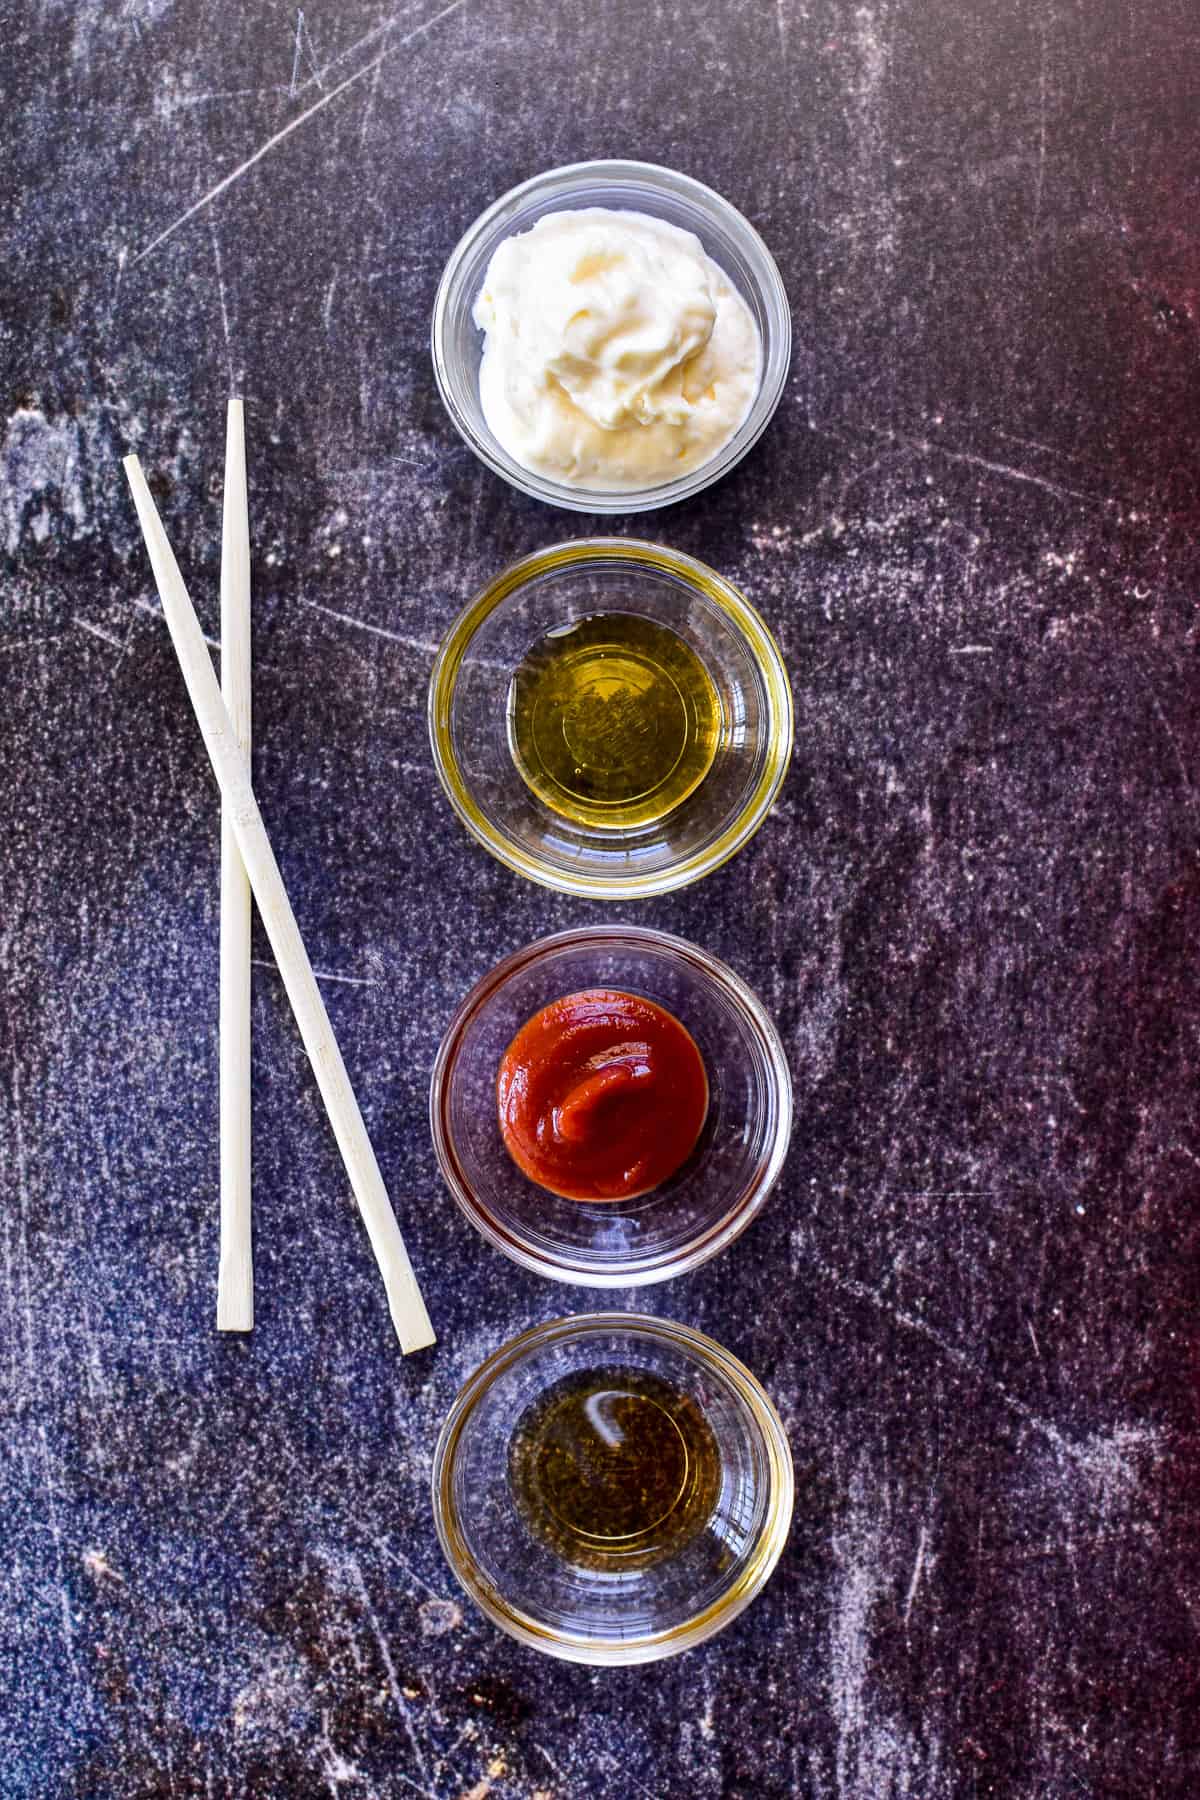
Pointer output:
x,y
717,1235
651,1646
691,572
772,293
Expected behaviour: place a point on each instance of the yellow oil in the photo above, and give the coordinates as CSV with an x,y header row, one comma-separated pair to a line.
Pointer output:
x,y
613,721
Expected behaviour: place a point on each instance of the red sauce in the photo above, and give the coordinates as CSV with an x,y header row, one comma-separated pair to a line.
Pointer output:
x,y
602,1096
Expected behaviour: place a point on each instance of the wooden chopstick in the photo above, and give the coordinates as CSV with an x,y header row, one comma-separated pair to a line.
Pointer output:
x,y
235,1269
232,771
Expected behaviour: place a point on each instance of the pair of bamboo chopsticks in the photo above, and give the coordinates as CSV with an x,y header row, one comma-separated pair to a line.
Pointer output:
x,y
249,866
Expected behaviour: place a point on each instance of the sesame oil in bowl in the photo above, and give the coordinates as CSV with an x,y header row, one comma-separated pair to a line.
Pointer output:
x,y
613,720
610,718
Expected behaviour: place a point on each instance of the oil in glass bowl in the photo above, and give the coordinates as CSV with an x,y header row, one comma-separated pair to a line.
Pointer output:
x,y
612,1488
614,1469
613,720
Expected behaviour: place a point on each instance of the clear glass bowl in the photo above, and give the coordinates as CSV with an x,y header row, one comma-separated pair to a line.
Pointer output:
x,y
706,1203
468,717
635,1614
727,237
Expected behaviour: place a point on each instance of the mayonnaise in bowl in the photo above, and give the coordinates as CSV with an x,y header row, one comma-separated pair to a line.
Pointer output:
x,y
618,355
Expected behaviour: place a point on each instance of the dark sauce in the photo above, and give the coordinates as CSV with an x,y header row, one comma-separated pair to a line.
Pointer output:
x,y
614,1469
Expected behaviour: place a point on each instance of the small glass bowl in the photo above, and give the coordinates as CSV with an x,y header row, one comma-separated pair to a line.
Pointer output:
x,y
728,238
706,1203
635,1614
468,717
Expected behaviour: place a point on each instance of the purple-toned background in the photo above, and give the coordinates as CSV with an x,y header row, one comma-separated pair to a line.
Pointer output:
x,y
976,912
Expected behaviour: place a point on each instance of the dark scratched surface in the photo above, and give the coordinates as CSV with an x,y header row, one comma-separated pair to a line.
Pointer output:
x,y
975,913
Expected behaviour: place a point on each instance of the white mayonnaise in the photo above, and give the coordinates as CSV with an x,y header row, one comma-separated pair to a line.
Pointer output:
x,y
617,355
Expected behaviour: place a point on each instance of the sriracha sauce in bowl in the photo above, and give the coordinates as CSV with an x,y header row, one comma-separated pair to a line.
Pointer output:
x,y
610,1106
601,1096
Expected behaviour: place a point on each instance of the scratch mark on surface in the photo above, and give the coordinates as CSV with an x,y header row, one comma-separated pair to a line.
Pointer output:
x,y
369,108
272,143
303,41
971,650
296,57
156,612
259,962
781,22
394,637
876,1753
368,472
212,227
376,32
394,1556
925,446
338,1768
426,1793
252,93
1036,444
918,1566
469,1730
549,1760
352,1524
950,1193
68,1624
1157,704
286,131
234,1500
327,309
390,1671
97,632
860,1290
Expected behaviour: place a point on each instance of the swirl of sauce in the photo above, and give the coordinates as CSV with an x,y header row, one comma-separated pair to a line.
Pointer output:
x,y
601,1096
